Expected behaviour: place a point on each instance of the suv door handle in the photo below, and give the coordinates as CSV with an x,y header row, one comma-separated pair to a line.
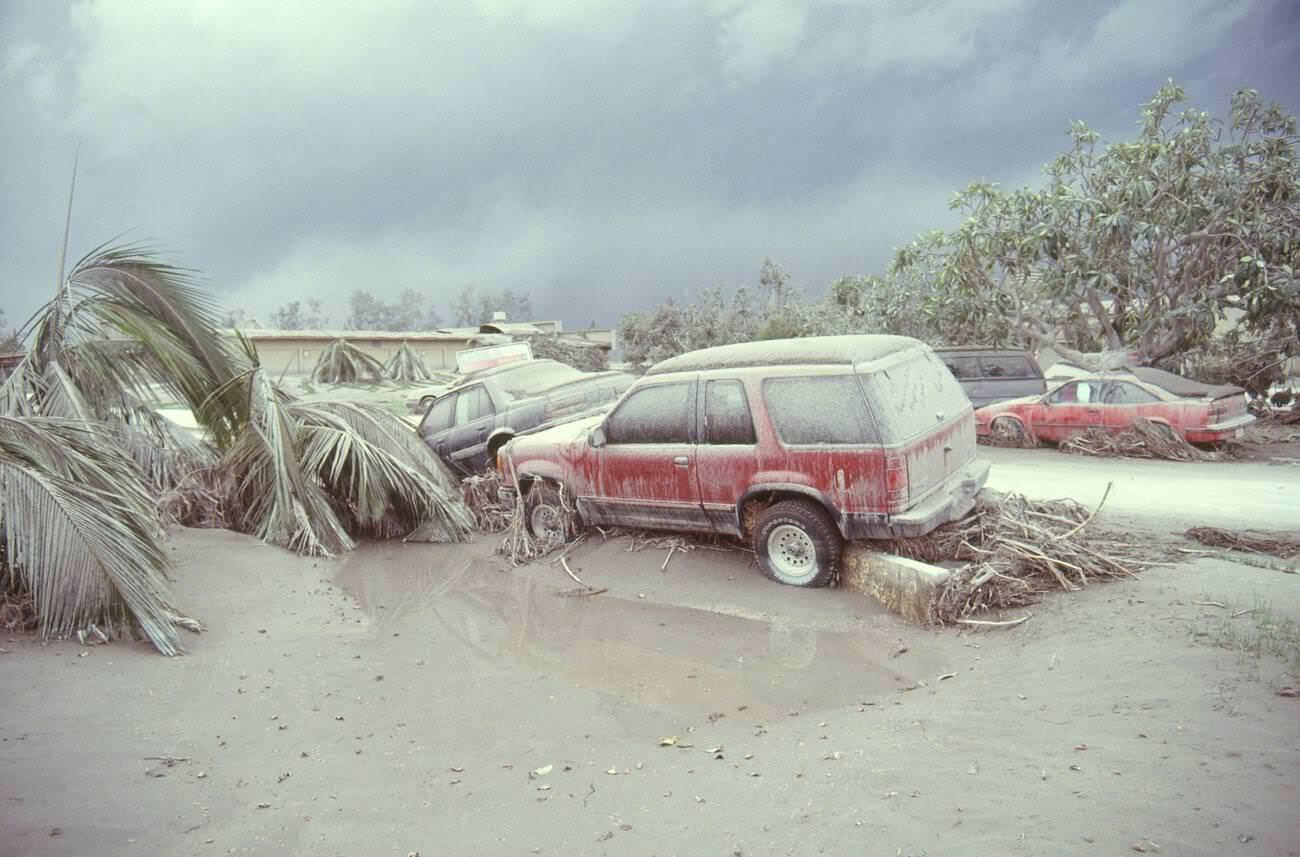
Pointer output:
x,y
681,461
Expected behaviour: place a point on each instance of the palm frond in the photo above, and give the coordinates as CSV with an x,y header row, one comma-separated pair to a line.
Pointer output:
x,y
274,497
122,320
343,363
406,365
79,531
384,479
165,453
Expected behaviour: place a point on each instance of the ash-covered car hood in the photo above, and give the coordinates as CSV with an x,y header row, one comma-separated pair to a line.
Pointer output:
x,y
565,432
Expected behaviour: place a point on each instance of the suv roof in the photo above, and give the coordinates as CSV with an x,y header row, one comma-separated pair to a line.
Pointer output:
x,y
848,349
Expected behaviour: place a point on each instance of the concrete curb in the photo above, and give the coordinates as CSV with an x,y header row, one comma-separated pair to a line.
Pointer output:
x,y
908,587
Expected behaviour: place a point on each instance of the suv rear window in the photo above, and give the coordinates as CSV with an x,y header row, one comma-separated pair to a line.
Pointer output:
x,y
822,409
913,397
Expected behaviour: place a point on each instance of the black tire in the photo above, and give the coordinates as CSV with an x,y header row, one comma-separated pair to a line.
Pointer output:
x,y
1008,430
797,544
549,515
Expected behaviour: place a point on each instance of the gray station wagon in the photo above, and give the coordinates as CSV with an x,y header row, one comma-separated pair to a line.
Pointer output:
x,y
989,375
468,424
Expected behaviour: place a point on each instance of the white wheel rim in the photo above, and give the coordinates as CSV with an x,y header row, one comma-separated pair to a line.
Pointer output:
x,y
792,552
546,523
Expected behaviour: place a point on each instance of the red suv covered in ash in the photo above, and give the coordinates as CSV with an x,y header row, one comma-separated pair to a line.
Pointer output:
x,y
797,444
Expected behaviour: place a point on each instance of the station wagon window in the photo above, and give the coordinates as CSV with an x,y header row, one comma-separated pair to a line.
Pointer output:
x,y
440,414
825,409
472,404
726,414
658,414
1007,366
963,368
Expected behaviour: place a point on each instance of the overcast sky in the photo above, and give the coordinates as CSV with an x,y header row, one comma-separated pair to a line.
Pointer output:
x,y
598,156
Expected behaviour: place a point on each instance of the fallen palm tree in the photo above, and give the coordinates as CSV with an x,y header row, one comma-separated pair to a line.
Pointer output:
x,y
87,470
343,363
407,366
312,476
1016,550
1144,439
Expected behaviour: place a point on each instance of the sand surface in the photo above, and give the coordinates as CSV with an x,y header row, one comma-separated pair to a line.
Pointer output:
x,y
429,699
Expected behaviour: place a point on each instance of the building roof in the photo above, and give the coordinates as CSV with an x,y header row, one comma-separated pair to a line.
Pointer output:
x,y
441,335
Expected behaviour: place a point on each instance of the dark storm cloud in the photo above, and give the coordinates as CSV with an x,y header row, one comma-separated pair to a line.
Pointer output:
x,y
599,156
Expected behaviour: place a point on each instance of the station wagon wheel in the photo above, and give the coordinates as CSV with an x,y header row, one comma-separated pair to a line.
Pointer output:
x,y
797,544
549,517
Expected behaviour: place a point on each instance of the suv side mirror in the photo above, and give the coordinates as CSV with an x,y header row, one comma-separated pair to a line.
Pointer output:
x,y
597,437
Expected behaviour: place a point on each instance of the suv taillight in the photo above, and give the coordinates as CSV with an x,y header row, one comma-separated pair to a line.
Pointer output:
x,y
895,481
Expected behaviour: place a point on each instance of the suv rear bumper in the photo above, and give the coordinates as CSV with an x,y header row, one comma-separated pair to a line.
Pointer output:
x,y
950,503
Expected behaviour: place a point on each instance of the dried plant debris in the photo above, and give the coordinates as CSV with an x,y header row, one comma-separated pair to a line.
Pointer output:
x,y
1016,550
541,521
480,495
1144,440
17,611
198,499
1280,545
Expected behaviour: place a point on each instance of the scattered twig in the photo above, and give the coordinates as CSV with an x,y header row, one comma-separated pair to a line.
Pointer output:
x,y
1088,520
990,624
664,567
564,562
1211,604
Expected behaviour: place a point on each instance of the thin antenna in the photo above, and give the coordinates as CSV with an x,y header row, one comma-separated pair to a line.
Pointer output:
x,y
67,221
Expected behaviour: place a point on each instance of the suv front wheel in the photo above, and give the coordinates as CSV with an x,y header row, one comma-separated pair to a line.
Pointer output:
x,y
797,544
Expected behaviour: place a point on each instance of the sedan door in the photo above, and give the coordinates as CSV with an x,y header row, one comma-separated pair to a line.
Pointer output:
x,y
644,471
1069,411
474,419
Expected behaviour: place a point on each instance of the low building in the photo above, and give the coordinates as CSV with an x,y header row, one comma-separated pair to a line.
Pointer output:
x,y
295,352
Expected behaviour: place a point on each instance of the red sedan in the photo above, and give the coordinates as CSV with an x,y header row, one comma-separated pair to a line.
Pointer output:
x,y
1111,401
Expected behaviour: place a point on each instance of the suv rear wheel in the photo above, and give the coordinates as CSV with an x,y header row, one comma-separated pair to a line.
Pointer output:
x,y
797,544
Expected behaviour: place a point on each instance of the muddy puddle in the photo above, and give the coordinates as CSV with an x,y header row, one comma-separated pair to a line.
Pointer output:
x,y
661,656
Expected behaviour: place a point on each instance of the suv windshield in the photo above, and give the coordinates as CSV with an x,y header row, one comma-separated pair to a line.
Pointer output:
x,y
913,396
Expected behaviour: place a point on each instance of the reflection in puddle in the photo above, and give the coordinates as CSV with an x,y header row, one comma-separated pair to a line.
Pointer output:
x,y
660,656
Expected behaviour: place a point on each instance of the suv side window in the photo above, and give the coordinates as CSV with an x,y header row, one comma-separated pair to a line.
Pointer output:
x,y
472,404
726,414
823,409
658,414
440,414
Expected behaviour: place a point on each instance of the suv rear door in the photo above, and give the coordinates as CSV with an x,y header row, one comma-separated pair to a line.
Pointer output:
x,y
923,417
728,457
643,475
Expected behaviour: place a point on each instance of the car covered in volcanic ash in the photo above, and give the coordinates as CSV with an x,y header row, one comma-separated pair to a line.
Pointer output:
x,y
1111,401
795,444
468,424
